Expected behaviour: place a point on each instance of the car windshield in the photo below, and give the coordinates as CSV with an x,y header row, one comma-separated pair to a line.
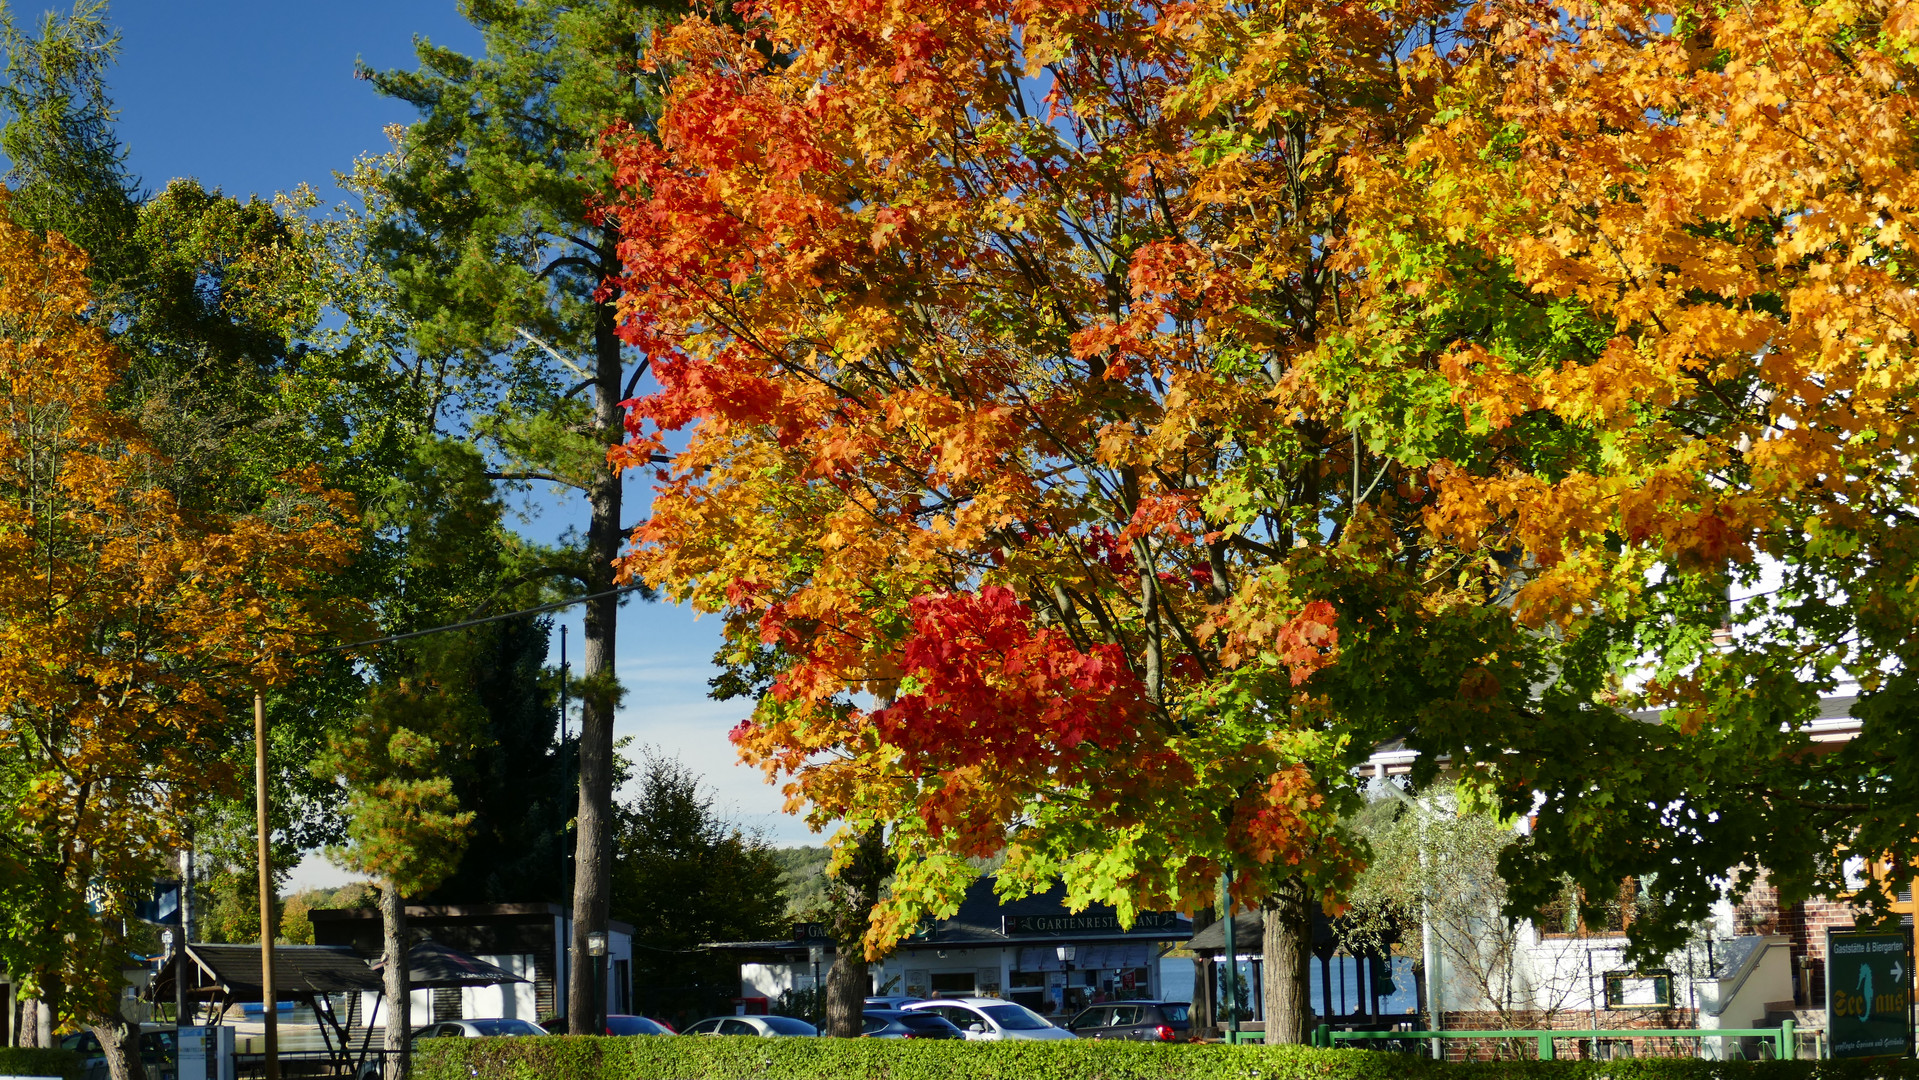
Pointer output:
x,y
1175,1014
1015,1017
633,1025
505,1027
786,1025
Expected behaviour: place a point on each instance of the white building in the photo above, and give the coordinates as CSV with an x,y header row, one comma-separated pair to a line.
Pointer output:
x,y
1032,951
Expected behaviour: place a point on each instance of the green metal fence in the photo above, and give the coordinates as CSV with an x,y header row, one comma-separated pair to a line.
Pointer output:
x,y
1784,1037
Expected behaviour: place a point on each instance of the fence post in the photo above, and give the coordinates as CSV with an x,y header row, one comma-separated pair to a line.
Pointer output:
x,y
1545,1046
1788,1044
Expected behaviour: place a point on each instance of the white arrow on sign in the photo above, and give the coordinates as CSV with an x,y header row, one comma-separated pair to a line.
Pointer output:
x,y
1898,972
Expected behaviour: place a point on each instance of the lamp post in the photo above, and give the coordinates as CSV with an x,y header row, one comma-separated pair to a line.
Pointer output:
x,y
817,953
596,948
1066,954
1232,963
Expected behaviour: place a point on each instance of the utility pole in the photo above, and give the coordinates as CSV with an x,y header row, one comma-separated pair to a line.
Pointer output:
x,y
268,999
566,849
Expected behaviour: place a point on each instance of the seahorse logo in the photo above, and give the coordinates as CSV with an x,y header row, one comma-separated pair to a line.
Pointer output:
x,y
1865,992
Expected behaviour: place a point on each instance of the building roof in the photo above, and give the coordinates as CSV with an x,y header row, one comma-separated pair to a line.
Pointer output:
x,y
460,911
986,921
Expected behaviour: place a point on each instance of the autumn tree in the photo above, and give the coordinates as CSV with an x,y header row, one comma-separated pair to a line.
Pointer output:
x,y
135,626
490,235
1036,393
1727,194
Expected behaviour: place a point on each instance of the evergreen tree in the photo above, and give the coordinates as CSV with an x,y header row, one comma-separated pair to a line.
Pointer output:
x,y
515,778
683,876
492,235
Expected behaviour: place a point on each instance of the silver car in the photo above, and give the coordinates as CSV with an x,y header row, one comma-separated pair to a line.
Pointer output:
x,y
991,1018
772,1027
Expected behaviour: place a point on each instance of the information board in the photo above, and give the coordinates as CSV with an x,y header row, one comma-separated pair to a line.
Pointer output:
x,y
1869,992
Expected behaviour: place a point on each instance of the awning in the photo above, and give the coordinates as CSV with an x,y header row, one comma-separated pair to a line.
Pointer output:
x,y
431,964
1119,957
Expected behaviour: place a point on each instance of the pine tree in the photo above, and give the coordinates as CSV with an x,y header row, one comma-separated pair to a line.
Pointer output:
x,y
494,241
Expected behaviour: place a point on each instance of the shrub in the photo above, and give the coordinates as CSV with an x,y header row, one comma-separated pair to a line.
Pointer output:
x,y
18,1061
744,1058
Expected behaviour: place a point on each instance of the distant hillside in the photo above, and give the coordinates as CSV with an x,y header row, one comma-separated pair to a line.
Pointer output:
x,y
802,876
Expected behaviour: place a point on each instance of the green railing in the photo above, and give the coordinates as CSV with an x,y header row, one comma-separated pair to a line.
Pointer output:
x,y
1784,1037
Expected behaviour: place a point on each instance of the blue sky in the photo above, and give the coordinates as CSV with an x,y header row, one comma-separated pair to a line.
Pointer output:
x,y
258,97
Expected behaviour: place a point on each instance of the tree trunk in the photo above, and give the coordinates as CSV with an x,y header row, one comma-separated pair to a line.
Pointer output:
x,y
593,837
1287,948
36,1025
846,986
1205,986
399,996
119,1044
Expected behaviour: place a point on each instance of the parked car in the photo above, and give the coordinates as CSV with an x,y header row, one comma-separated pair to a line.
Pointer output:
x,y
1139,1021
635,1025
476,1029
771,1027
991,1018
891,1001
900,1024
157,1058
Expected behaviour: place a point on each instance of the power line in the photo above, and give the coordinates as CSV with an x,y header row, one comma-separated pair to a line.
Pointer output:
x,y
555,606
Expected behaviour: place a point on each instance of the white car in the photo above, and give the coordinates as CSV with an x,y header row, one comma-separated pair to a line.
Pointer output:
x,y
991,1018
765,1026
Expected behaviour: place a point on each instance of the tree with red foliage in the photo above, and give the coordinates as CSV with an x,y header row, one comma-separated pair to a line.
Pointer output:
x,y
1044,461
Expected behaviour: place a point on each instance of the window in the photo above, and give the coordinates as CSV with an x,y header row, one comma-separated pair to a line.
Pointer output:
x,y
953,982
1016,1017
1093,1018
1125,1016
1638,990
737,1027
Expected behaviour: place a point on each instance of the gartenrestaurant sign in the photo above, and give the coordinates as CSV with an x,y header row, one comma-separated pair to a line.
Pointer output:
x,y
1090,923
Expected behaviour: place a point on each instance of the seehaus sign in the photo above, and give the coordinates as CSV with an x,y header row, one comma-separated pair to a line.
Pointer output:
x,y
1868,992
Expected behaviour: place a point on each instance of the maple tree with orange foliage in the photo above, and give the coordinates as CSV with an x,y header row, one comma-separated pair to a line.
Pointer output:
x,y
1728,195
1035,535
135,632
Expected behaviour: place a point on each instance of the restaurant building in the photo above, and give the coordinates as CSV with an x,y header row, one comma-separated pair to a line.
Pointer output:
x,y
1032,951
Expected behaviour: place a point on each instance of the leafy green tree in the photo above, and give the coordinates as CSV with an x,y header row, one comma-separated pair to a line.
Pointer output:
x,y
684,877
490,230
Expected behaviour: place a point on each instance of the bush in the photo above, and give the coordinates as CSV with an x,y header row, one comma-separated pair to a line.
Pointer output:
x,y
17,1061
744,1058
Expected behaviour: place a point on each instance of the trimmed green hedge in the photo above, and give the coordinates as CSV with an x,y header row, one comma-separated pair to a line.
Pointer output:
x,y
16,1061
747,1058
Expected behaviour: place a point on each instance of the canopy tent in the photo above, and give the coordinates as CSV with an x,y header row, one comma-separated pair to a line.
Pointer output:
x,y
223,975
431,964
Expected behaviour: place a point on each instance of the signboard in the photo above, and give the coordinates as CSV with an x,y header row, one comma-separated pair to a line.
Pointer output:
x,y
1148,922
1869,992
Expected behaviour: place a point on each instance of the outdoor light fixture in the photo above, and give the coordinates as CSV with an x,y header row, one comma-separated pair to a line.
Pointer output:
x,y
1066,953
596,943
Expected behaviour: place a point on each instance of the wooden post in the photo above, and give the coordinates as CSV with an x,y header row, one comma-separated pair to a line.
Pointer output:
x,y
268,1000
